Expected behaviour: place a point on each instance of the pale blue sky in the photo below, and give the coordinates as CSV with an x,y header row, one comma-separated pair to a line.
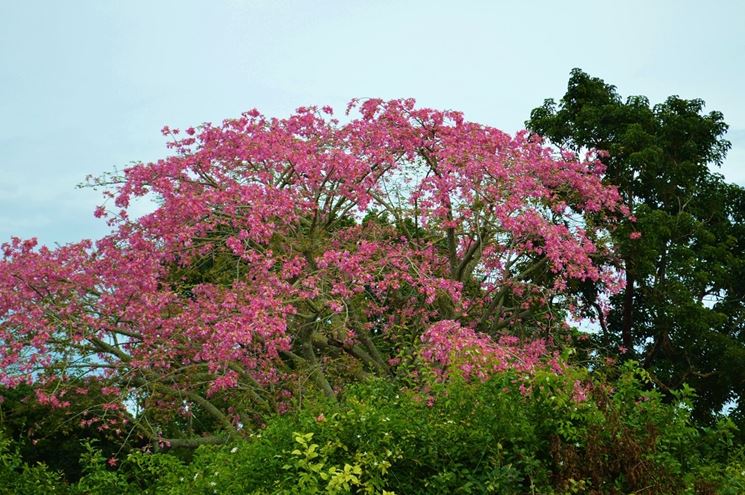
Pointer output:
x,y
86,86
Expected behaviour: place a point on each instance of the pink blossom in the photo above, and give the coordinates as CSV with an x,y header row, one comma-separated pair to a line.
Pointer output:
x,y
579,393
274,236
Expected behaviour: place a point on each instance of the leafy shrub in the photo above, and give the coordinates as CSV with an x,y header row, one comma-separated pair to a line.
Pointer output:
x,y
17,477
547,433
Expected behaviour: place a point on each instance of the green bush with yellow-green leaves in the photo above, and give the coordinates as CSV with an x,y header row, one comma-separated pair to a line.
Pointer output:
x,y
513,434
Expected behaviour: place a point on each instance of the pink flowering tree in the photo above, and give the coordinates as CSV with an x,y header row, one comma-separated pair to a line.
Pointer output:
x,y
286,255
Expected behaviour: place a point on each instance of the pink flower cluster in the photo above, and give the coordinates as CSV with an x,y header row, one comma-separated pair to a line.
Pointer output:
x,y
447,344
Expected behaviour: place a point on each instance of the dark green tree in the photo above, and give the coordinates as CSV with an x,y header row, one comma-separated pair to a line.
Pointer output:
x,y
682,313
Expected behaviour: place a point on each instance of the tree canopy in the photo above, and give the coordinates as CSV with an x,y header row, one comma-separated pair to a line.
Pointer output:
x,y
299,254
682,311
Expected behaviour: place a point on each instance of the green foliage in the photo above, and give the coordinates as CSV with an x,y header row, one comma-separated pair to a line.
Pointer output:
x,y
682,313
17,477
512,434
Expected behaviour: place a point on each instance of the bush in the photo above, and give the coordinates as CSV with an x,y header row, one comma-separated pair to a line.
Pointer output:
x,y
547,433
17,477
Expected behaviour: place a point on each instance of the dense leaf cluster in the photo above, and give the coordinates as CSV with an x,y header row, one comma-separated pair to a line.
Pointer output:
x,y
682,311
458,437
